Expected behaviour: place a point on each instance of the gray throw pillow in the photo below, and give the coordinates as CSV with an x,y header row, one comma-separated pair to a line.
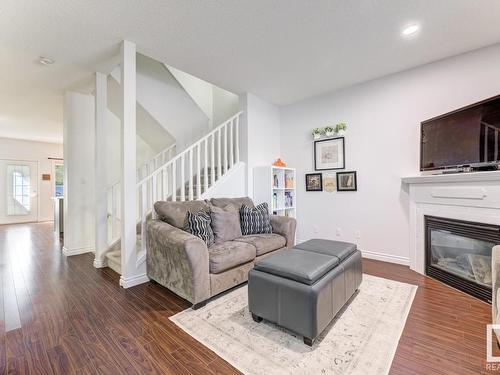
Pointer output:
x,y
225,223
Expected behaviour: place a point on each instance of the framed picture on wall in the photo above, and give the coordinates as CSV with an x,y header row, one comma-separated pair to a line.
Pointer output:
x,y
314,182
329,154
346,181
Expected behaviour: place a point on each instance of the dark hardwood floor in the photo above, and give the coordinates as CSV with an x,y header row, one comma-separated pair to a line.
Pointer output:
x,y
61,316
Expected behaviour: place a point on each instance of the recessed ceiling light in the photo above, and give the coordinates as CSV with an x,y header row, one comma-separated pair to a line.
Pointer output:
x,y
410,30
45,60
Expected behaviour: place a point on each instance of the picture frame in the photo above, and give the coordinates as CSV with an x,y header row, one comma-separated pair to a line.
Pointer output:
x,y
329,154
347,181
314,182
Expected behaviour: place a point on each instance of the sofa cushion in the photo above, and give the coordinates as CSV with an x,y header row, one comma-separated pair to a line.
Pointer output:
x,y
229,254
225,223
303,266
264,242
237,202
335,248
255,220
174,213
199,225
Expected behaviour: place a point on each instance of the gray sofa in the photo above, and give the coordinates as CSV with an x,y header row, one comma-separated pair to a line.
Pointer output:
x,y
182,262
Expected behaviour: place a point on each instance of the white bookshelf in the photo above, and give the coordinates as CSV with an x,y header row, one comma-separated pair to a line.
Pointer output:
x,y
277,187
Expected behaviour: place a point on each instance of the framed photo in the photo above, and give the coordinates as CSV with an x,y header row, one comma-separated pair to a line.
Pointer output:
x,y
346,181
329,154
314,182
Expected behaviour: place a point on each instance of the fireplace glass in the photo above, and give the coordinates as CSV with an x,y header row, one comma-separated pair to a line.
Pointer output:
x,y
462,256
458,253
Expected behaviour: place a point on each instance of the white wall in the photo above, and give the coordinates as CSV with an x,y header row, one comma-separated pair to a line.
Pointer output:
x,y
382,145
40,152
260,134
79,130
225,105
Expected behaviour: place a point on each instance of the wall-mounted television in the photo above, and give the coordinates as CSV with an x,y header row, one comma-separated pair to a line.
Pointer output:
x,y
466,138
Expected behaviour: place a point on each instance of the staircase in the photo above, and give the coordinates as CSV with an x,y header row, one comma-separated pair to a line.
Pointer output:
x,y
188,175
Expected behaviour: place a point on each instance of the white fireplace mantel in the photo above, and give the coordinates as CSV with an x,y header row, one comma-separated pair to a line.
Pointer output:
x,y
463,196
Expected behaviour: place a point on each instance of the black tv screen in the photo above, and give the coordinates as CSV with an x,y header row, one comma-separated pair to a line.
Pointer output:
x,y
467,137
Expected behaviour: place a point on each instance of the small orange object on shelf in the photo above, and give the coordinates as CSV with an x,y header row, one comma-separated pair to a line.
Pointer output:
x,y
279,163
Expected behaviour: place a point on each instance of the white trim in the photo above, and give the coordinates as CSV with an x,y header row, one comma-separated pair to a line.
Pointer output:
x,y
386,257
378,256
100,263
77,250
133,281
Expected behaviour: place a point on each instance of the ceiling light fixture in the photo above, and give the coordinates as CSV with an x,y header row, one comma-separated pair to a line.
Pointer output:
x,y
410,30
45,61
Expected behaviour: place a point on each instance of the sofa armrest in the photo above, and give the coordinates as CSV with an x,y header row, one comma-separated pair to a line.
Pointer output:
x,y
177,260
286,227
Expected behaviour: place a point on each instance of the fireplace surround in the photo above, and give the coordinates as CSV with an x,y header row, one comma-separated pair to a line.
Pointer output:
x,y
467,197
458,253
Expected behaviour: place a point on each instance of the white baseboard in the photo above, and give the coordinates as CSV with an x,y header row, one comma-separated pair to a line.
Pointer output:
x,y
133,281
386,258
100,263
77,250
380,256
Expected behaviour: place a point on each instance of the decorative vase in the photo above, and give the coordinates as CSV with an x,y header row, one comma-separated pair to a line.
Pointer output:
x,y
317,135
329,134
340,133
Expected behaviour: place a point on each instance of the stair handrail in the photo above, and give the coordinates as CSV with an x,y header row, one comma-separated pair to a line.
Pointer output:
x,y
191,148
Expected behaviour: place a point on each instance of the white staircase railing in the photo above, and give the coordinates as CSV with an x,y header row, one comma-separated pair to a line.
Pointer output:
x,y
192,172
185,176
156,162
114,213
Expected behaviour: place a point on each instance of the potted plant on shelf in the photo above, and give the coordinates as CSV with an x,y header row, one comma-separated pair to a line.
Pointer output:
x,y
340,128
316,132
329,131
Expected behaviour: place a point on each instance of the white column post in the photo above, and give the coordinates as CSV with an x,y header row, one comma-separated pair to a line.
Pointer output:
x,y
101,194
131,274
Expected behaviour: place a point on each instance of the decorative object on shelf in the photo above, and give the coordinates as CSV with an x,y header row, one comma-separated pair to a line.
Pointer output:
x,y
330,183
329,131
314,182
275,201
279,163
289,181
329,154
276,183
288,199
346,181
316,132
340,128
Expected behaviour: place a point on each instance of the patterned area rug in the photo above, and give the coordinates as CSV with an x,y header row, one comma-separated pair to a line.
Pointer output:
x,y
361,340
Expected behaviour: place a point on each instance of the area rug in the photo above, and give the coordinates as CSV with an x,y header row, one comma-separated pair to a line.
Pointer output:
x,y
361,340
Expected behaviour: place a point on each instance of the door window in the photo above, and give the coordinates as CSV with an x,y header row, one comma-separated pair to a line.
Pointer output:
x,y
18,190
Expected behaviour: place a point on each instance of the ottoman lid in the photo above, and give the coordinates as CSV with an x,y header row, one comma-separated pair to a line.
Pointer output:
x,y
338,249
299,265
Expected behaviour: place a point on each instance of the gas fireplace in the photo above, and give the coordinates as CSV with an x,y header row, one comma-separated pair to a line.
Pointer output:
x,y
458,253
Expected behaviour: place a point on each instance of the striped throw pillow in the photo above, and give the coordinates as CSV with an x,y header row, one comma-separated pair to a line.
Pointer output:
x,y
255,220
199,225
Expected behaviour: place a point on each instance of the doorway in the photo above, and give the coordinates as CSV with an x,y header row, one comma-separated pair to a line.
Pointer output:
x,y
18,191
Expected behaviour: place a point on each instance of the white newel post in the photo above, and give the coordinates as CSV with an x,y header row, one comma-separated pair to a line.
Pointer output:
x,y
132,273
101,193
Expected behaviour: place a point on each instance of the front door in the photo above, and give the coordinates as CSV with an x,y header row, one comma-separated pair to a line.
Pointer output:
x,y
18,191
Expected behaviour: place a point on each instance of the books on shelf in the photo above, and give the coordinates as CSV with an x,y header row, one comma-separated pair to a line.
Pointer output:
x,y
288,199
289,182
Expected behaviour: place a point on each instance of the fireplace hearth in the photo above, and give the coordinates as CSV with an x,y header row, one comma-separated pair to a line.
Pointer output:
x,y
458,253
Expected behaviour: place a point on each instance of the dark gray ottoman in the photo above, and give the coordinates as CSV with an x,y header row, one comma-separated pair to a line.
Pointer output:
x,y
302,289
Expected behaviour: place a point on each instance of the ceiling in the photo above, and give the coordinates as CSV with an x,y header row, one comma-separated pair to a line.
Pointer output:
x,y
282,50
